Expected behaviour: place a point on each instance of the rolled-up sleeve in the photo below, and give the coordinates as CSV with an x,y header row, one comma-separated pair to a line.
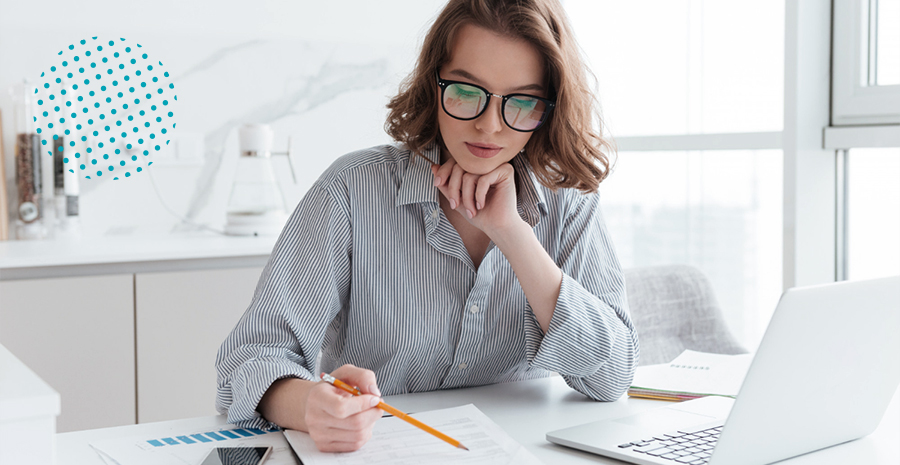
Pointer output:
x,y
303,288
591,340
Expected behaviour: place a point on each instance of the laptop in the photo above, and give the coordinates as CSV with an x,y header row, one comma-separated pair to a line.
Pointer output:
x,y
824,373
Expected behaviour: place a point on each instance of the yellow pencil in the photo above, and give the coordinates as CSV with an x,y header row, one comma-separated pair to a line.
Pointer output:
x,y
393,411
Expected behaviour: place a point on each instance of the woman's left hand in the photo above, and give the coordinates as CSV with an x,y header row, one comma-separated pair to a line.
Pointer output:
x,y
487,201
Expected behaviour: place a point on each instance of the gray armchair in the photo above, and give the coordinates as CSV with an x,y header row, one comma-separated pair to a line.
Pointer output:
x,y
673,309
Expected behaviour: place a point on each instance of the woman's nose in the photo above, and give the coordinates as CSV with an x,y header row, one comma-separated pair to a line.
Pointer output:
x,y
491,121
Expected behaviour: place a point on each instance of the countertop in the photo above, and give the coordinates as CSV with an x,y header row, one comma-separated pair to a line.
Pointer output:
x,y
29,259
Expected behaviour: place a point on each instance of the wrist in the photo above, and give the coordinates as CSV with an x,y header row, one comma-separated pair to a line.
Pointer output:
x,y
285,403
511,233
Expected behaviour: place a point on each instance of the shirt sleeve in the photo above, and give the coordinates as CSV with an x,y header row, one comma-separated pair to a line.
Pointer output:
x,y
301,290
591,340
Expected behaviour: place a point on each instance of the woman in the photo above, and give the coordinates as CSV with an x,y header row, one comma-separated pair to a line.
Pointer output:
x,y
471,253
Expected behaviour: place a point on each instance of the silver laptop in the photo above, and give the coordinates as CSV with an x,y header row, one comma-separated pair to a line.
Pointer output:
x,y
824,374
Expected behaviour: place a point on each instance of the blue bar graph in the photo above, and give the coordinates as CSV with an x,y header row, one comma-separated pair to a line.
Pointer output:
x,y
201,438
215,436
222,435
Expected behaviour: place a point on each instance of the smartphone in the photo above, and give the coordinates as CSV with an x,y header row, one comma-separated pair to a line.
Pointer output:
x,y
237,455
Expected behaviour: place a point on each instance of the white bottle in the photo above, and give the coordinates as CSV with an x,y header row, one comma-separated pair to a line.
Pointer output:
x,y
70,223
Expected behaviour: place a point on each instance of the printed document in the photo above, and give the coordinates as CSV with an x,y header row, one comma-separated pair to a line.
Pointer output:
x,y
395,441
692,375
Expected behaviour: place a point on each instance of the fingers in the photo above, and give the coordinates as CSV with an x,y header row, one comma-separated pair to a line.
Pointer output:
x,y
359,421
352,443
465,192
338,421
339,405
359,377
481,190
468,194
347,435
442,172
332,446
454,184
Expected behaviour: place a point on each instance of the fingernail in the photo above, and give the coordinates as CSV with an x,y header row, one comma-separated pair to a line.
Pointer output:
x,y
374,402
471,215
437,181
374,390
478,205
453,204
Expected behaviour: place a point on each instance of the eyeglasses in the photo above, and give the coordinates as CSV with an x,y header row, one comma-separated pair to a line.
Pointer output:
x,y
521,112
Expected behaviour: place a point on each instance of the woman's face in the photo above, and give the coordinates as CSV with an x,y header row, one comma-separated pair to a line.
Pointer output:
x,y
502,65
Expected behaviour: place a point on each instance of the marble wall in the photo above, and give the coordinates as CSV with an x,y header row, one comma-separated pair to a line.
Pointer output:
x,y
318,72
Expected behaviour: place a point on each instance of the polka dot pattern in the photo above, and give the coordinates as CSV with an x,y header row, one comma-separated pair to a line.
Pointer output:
x,y
90,106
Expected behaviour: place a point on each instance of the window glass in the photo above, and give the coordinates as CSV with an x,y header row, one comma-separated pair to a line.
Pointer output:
x,y
719,211
873,213
685,66
887,53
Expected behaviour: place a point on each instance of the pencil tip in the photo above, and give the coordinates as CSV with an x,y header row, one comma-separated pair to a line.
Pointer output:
x,y
463,447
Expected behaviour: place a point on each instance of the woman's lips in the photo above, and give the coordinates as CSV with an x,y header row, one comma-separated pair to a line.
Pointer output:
x,y
483,150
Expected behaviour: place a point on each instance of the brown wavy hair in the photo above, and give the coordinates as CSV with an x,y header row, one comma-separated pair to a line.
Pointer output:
x,y
568,150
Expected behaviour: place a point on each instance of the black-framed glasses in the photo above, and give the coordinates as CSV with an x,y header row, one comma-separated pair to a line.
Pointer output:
x,y
521,112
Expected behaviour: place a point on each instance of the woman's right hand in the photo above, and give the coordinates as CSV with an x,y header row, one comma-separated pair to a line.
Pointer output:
x,y
338,421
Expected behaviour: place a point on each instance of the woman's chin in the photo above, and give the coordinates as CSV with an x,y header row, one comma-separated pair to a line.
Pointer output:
x,y
474,165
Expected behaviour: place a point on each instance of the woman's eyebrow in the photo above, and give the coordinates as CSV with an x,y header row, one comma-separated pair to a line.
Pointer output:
x,y
469,76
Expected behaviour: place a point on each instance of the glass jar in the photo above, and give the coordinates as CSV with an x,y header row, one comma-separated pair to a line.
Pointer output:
x,y
27,164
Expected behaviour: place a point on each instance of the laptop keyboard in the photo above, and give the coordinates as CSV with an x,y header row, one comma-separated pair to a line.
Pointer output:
x,y
690,447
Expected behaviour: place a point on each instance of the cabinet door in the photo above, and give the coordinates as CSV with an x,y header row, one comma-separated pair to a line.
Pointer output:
x,y
182,318
77,334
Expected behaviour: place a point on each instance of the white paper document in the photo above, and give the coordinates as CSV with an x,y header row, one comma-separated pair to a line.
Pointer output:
x,y
178,447
395,441
696,373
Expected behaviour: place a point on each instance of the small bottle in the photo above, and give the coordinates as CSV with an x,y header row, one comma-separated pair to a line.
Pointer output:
x,y
69,221
28,165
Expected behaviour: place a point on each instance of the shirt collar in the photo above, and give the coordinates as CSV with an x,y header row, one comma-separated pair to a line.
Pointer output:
x,y
530,198
417,185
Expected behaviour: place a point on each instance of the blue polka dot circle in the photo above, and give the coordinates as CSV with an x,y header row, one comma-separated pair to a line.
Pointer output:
x,y
108,105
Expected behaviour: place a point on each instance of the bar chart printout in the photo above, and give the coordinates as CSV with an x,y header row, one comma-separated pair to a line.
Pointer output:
x,y
188,447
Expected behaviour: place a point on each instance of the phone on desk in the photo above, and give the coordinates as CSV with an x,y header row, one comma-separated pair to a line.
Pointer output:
x,y
237,455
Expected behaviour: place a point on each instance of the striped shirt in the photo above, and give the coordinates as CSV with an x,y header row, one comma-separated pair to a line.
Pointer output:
x,y
369,271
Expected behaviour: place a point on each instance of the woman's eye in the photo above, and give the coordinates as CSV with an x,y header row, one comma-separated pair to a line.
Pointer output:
x,y
523,104
464,93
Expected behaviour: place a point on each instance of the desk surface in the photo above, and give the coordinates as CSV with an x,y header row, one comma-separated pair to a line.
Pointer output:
x,y
526,410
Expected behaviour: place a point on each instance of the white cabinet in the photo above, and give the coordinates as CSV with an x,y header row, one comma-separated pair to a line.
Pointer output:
x,y
182,317
77,334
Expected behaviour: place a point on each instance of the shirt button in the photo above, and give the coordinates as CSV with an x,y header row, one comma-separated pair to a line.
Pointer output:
x,y
462,366
434,214
473,309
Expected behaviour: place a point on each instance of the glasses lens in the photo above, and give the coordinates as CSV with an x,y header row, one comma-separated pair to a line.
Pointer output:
x,y
524,113
464,101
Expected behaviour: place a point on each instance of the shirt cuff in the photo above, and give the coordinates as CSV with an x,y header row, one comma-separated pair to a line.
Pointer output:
x,y
581,333
251,381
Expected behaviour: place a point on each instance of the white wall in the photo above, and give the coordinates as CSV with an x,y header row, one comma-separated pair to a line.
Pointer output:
x,y
321,71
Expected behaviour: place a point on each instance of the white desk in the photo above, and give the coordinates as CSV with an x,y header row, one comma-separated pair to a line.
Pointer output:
x,y
526,410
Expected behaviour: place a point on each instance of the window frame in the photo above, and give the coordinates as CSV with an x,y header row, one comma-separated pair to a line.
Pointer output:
x,y
854,102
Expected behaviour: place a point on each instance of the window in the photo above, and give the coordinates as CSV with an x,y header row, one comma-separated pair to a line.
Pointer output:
x,y
685,66
873,213
717,210
866,67
884,58
693,94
